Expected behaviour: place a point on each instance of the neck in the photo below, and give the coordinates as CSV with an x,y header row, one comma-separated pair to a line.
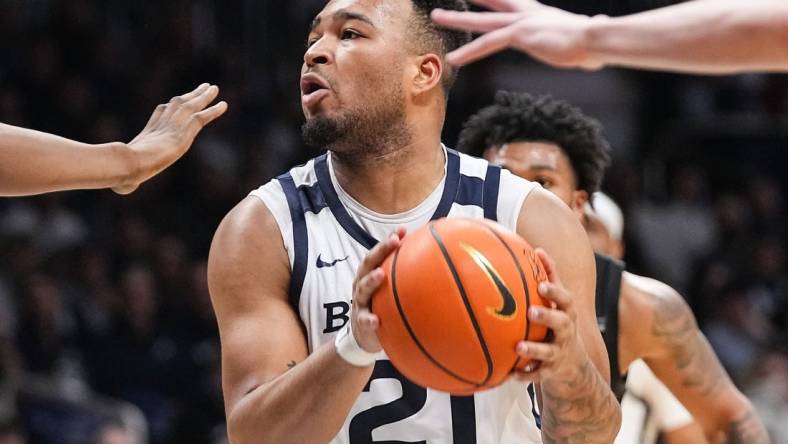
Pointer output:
x,y
397,178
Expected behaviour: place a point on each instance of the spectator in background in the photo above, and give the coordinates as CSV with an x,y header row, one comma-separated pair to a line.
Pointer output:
x,y
674,235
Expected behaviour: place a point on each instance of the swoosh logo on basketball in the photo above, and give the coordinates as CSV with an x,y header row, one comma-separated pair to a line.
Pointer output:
x,y
509,307
322,264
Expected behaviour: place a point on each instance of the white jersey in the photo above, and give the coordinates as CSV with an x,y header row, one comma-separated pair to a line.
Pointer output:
x,y
648,408
327,234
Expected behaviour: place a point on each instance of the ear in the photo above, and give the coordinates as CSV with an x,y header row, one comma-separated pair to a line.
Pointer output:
x,y
579,200
428,74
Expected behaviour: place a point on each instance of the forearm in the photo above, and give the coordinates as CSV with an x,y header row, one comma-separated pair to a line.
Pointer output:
x,y
712,36
309,403
581,409
32,162
746,427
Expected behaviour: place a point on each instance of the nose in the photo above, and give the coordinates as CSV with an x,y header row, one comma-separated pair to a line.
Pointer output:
x,y
318,54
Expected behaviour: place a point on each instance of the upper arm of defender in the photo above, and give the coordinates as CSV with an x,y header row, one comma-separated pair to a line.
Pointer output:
x,y
548,223
248,278
670,342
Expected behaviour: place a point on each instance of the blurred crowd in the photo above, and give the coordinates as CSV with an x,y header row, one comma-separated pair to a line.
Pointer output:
x,y
106,327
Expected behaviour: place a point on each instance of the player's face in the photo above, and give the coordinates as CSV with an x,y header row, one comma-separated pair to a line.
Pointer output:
x,y
354,57
544,163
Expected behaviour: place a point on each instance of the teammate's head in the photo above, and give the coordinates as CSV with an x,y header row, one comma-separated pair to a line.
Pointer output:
x,y
373,69
544,140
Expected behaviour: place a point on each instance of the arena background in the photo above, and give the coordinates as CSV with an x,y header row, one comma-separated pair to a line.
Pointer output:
x,y
106,328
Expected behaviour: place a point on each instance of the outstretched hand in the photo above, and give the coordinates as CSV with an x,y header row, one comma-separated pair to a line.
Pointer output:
x,y
554,36
170,133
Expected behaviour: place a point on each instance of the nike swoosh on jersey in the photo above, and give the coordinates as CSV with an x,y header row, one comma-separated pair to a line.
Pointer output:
x,y
322,264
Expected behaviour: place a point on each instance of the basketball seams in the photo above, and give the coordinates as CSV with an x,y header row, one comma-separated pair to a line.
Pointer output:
x,y
469,309
412,334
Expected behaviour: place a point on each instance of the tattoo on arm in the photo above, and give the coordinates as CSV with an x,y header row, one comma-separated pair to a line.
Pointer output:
x,y
675,328
291,364
579,410
747,430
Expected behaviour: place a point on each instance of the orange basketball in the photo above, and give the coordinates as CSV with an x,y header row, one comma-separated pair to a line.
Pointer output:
x,y
453,305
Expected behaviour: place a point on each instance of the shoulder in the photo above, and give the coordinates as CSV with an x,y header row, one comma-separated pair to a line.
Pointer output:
x,y
653,311
651,298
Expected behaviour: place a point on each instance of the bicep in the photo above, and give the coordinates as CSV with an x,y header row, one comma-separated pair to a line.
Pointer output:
x,y
548,223
678,353
248,276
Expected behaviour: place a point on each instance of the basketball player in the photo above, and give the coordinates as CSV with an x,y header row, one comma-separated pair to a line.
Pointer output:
x,y
550,142
648,409
303,365
700,36
33,162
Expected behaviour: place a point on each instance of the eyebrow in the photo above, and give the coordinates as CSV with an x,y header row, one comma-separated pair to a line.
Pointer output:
x,y
343,15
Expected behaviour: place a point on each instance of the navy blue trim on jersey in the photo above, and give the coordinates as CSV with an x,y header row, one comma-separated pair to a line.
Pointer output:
x,y
311,198
492,182
537,416
470,191
339,211
451,188
351,227
300,238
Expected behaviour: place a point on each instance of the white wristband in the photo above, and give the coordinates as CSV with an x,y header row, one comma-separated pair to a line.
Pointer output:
x,y
349,350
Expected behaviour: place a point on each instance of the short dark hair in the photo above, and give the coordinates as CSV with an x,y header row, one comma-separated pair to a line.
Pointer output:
x,y
435,38
520,117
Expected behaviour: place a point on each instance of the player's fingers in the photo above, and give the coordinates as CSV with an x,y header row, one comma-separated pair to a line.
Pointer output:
x,y
549,265
473,21
201,119
500,5
530,373
366,286
379,253
195,92
177,103
544,353
557,321
157,112
556,294
482,47
200,101
367,321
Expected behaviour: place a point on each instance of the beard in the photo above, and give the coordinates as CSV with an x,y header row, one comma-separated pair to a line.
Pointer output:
x,y
359,134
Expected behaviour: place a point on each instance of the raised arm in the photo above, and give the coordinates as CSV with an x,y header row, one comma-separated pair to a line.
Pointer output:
x,y
32,162
700,36
272,386
679,355
577,403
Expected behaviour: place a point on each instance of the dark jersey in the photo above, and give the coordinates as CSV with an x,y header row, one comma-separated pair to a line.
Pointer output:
x,y
608,290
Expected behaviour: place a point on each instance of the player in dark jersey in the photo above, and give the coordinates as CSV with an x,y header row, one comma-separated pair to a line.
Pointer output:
x,y
32,162
548,141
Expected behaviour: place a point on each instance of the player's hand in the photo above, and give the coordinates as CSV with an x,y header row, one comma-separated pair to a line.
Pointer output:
x,y
369,276
562,357
554,36
169,134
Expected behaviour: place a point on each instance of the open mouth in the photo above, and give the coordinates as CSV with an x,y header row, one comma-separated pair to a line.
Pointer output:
x,y
311,83
313,90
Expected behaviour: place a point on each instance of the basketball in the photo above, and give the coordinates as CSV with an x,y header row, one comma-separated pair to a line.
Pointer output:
x,y
453,305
